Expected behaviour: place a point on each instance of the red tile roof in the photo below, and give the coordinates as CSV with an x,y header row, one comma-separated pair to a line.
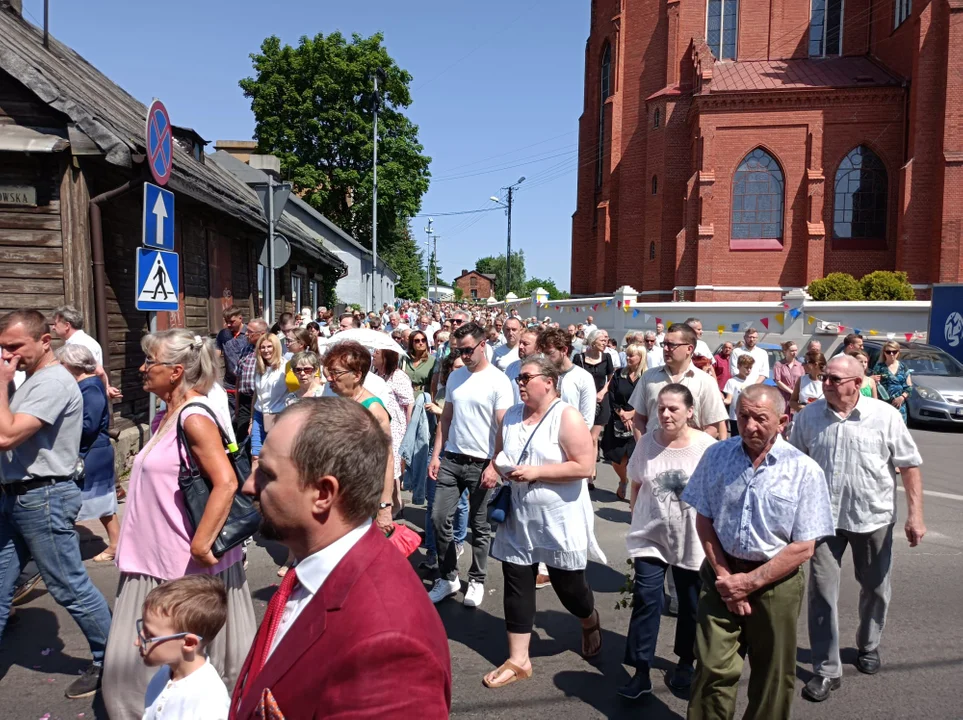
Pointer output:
x,y
798,74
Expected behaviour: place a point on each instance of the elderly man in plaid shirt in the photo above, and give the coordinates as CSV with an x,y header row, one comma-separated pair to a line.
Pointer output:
x,y
242,347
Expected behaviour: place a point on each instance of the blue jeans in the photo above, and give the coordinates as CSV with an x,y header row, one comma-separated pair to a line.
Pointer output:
x,y
647,602
40,523
258,433
461,517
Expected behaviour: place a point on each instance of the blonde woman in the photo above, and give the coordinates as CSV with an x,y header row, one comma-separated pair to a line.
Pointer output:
x,y
157,542
270,389
894,377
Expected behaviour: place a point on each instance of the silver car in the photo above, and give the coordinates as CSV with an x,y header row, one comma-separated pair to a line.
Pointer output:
x,y
937,384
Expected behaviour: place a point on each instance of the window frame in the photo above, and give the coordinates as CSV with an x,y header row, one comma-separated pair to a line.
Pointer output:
x,y
652,250
902,11
758,243
657,119
861,243
842,25
722,30
605,92
655,184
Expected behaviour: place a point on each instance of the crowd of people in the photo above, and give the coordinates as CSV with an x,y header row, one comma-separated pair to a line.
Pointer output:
x,y
736,474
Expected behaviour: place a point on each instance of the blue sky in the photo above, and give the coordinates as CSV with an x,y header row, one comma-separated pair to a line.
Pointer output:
x,y
496,84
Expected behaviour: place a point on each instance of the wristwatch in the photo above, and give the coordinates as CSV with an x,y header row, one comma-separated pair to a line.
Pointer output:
x,y
382,506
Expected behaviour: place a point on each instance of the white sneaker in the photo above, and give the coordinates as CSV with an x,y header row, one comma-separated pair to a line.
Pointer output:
x,y
443,589
475,594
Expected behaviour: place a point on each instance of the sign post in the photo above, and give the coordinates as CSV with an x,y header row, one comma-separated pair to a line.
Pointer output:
x,y
157,272
273,196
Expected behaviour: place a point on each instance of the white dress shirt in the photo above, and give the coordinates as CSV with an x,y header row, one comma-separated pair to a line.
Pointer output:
x,y
312,572
759,367
654,358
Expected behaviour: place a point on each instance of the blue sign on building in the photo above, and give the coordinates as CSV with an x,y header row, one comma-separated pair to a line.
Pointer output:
x,y
158,217
946,318
158,280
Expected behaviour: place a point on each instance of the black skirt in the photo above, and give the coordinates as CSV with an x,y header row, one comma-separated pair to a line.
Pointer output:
x,y
616,446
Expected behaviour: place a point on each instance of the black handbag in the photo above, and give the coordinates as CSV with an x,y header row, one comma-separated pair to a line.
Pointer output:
x,y
243,519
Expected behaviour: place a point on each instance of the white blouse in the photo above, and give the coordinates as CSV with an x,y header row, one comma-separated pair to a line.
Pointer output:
x,y
270,390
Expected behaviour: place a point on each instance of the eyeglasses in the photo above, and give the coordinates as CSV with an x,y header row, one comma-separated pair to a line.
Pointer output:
x,y
419,341
467,352
890,352
837,380
331,377
145,641
149,363
525,377
673,346
457,321
301,370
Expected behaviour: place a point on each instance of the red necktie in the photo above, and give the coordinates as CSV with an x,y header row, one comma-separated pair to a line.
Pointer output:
x,y
272,620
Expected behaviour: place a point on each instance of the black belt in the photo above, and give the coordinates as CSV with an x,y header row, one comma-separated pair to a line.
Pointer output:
x,y
22,487
738,565
460,459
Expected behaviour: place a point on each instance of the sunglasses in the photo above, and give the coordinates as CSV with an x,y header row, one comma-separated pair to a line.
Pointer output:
x,y
300,370
467,352
145,641
457,321
837,380
890,352
525,377
419,341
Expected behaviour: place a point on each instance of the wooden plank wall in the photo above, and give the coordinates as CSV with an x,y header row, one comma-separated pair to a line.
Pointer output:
x,y
31,241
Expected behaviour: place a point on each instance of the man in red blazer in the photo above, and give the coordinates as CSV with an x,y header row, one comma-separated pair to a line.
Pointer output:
x,y
350,633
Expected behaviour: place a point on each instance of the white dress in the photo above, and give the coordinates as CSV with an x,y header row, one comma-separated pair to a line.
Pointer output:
x,y
549,522
809,390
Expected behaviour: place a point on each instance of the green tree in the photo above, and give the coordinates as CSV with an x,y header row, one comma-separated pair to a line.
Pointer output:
x,y
886,285
459,294
836,286
314,108
495,265
406,259
547,284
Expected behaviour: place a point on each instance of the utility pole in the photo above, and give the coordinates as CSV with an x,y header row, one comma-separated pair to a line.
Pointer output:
x,y
379,73
508,258
429,232
434,256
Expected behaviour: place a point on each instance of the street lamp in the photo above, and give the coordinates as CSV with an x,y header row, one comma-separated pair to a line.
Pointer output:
x,y
508,205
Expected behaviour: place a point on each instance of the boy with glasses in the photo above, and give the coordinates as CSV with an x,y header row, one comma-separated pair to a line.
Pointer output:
x,y
180,619
477,397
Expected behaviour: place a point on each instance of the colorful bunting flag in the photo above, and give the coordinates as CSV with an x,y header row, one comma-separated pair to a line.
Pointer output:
x,y
620,303
780,318
595,307
635,313
626,308
909,336
765,322
796,312
842,328
890,336
874,332
857,331
785,306
721,329
658,320
735,327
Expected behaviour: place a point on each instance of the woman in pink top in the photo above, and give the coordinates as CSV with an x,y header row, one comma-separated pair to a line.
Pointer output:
x,y
157,542
788,370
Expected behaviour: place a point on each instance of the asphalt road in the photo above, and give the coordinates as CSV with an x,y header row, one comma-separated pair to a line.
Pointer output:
x,y
922,650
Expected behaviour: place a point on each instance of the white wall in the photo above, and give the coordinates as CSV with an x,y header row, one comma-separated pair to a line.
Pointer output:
x,y
896,318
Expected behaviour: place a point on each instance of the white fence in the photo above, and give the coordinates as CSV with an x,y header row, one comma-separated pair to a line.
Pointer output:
x,y
796,317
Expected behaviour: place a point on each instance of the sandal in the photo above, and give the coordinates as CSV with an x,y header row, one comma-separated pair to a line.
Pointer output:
x,y
104,557
620,491
518,674
587,634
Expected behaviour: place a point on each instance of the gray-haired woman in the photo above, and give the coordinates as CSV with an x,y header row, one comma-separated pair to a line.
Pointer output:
x,y
157,542
98,495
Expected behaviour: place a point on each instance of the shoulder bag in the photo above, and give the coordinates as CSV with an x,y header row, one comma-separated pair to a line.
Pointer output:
x,y
501,501
243,519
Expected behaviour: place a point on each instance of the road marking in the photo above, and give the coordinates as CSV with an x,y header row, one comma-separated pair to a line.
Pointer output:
x,y
936,493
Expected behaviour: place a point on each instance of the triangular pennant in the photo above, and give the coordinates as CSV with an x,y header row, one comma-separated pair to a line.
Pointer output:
x,y
625,307
842,328
857,331
721,329
811,319
765,322
658,321
635,313
780,318
620,303
909,336
890,336
785,306
735,327
558,308
595,307
794,313
647,317
874,332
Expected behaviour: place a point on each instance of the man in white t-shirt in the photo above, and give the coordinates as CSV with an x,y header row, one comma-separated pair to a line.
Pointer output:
x,y
507,353
576,386
659,334
701,347
68,325
654,357
527,342
476,398
589,326
760,368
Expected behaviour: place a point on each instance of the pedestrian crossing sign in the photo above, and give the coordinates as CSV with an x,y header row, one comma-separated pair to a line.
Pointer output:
x,y
158,280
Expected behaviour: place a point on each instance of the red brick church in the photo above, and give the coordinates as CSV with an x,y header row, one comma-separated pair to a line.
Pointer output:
x,y
738,148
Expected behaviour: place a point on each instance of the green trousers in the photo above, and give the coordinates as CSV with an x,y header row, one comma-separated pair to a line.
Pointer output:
x,y
723,639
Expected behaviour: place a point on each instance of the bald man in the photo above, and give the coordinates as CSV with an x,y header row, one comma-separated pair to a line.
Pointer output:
x,y
861,444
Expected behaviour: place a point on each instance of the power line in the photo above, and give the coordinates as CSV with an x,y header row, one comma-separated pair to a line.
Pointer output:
x,y
455,212
508,152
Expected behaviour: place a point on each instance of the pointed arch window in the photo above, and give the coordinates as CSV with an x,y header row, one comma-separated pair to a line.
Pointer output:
x,y
758,192
605,90
860,198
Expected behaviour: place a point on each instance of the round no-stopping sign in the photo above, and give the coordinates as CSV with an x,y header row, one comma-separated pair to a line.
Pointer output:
x,y
160,144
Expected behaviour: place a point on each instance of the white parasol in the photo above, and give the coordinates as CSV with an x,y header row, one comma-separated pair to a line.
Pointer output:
x,y
371,339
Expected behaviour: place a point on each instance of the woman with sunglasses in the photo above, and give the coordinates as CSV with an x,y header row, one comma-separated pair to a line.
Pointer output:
x,y
893,377
420,363
545,451
297,341
306,367
809,387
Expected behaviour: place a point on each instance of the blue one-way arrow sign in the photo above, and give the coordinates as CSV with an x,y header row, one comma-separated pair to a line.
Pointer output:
x,y
158,217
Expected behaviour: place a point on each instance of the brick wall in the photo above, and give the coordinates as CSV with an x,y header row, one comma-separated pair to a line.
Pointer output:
x,y
482,286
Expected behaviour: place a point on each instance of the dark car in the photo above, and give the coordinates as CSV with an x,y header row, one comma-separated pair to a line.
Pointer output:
x,y
937,379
